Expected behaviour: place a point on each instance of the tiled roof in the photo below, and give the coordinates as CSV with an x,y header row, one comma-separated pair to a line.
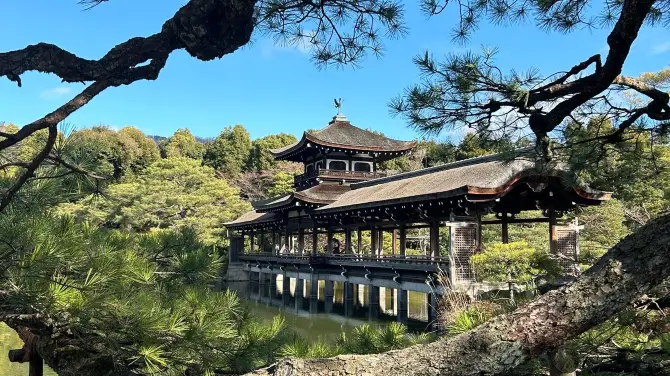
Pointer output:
x,y
252,217
341,134
321,194
487,175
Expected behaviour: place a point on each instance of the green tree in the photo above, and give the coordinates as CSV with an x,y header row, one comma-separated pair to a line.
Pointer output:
x,y
230,151
113,153
173,193
260,158
512,263
151,290
183,144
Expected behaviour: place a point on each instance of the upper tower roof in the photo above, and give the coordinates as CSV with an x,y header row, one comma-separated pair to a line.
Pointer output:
x,y
341,136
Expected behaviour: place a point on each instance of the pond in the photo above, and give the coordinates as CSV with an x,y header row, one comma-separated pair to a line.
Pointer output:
x,y
313,326
9,340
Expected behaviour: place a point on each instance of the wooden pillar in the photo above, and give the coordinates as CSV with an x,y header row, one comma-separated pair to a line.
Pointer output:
x,y
402,299
261,285
243,234
393,241
299,293
301,240
553,240
252,238
315,239
273,286
347,241
373,241
329,293
373,302
348,299
285,289
313,293
380,242
434,239
505,229
359,239
329,246
403,239
287,239
274,242
261,242
478,233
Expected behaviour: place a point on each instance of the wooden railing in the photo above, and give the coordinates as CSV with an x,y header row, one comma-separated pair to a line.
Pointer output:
x,y
348,259
347,175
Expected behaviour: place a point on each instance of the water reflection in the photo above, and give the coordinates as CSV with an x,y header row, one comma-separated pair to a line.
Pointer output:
x,y
265,300
9,340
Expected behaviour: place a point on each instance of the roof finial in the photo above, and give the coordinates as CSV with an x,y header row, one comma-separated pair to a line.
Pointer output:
x,y
338,105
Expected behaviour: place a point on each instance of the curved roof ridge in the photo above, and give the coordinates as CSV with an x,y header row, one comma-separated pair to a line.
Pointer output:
x,y
447,166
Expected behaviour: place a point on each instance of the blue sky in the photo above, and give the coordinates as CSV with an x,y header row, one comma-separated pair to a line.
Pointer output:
x,y
266,88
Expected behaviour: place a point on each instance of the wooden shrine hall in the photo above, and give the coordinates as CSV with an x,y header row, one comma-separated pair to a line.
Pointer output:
x,y
335,222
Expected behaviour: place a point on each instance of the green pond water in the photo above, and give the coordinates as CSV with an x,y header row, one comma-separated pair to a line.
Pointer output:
x,y
9,340
268,304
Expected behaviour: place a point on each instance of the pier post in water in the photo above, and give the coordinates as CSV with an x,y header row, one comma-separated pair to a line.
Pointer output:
x,y
273,286
314,293
286,289
402,305
373,302
328,295
348,299
261,285
299,293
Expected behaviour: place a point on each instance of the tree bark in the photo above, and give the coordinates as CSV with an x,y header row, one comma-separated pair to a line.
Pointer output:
x,y
631,268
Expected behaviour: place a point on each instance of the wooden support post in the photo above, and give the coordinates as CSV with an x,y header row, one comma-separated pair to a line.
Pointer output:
x,y
505,229
301,240
299,293
329,293
286,289
347,241
261,285
359,239
261,242
329,246
273,286
373,302
478,233
315,239
403,239
252,238
393,242
313,293
401,296
287,239
553,240
373,242
434,239
380,244
348,299
274,242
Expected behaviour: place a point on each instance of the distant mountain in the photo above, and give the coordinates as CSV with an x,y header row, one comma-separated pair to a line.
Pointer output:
x,y
203,140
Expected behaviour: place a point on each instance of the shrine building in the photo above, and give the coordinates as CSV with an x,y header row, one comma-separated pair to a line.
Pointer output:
x,y
348,221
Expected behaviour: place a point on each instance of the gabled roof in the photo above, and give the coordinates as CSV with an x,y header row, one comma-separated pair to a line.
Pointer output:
x,y
490,176
251,217
318,195
340,134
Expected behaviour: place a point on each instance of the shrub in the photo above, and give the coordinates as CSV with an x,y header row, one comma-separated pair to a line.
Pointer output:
x,y
513,262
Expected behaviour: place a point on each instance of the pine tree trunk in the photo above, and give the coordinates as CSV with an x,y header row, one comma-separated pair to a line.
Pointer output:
x,y
635,265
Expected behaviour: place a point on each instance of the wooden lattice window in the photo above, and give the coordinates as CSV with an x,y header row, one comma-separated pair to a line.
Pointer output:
x,y
566,247
463,247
